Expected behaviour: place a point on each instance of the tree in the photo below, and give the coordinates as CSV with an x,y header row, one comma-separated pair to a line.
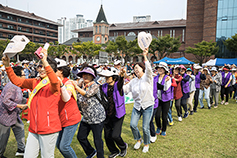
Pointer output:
x,y
203,50
58,50
231,43
89,48
133,48
3,45
164,45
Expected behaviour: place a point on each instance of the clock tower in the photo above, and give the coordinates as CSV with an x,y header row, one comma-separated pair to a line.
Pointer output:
x,y
101,28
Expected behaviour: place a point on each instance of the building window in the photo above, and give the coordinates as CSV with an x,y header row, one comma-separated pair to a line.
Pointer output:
x,y
81,34
9,17
1,34
27,21
1,25
99,29
158,33
0,15
40,32
124,33
10,27
170,33
96,29
183,35
27,30
161,32
173,33
39,24
10,36
48,34
19,28
47,26
19,19
40,40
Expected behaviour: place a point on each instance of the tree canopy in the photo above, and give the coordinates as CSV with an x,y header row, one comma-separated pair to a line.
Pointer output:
x,y
164,45
203,50
231,43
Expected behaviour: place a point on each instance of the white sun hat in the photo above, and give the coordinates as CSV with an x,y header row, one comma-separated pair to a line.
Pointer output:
x,y
117,62
163,65
196,66
110,72
17,44
60,62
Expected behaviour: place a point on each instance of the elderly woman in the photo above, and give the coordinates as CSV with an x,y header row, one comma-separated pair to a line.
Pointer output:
x,y
93,112
43,101
205,88
215,86
115,113
10,108
226,84
163,95
69,113
142,92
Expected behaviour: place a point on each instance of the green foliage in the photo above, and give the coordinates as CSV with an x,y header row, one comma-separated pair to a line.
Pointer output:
x,y
231,43
164,45
3,45
203,50
121,45
89,48
57,50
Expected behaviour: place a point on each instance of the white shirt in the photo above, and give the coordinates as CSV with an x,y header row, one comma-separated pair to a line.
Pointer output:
x,y
166,87
142,89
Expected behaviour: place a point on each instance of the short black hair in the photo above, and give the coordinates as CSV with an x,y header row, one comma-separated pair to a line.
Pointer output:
x,y
66,70
141,64
18,70
52,63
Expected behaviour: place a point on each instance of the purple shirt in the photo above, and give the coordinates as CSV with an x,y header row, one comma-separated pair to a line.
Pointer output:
x,y
9,98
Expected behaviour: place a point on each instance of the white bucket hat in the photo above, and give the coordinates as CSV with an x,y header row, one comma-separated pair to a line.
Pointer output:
x,y
206,70
196,66
108,73
213,69
17,44
163,65
60,62
234,69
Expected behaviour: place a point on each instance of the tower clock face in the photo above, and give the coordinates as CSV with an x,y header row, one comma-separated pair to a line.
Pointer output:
x,y
98,39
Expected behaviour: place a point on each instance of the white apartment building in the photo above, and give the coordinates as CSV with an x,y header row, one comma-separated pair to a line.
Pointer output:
x,y
64,32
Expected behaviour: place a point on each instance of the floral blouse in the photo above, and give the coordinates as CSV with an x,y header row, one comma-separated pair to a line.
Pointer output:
x,y
93,111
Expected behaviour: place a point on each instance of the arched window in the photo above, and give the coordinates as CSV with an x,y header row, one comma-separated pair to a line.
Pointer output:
x,y
131,34
99,29
96,29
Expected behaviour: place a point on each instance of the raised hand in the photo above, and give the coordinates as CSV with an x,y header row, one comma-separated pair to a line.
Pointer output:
x,y
6,61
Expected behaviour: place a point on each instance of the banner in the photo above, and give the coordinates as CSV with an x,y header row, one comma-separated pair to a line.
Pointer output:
x,y
128,98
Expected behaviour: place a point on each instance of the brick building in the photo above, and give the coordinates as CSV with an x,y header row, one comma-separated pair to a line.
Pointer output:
x,y
16,22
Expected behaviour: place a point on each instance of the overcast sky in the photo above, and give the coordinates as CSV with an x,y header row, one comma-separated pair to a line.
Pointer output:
x,y
116,11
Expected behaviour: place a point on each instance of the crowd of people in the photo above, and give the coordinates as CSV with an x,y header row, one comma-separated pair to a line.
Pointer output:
x,y
62,96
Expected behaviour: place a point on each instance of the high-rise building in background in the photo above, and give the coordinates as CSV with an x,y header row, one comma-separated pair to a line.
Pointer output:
x,y
214,20
64,33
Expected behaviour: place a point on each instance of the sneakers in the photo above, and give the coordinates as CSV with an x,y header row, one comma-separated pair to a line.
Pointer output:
x,y
222,102
138,144
123,152
145,149
201,107
226,103
215,106
153,139
191,112
158,131
93,154
171,123
113,155
209,107
19,152
179,119
186,115
163,134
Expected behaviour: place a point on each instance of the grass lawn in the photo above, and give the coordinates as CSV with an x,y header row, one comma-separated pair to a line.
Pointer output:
x,y
207,133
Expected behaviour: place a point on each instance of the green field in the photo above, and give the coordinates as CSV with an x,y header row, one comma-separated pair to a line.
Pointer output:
x,y
207,133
